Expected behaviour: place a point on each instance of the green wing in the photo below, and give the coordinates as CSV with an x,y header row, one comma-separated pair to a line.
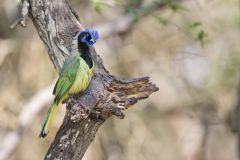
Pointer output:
x,y
67,76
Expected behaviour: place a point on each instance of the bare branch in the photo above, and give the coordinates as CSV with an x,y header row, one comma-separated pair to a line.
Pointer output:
x,y
24,13
107,95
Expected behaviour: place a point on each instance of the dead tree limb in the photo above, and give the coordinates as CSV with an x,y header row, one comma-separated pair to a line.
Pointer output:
x,y
57,23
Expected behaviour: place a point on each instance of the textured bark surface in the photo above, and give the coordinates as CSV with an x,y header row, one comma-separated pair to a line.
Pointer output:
x,y
57,23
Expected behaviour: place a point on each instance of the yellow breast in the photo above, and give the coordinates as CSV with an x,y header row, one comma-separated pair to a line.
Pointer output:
x,y
82,79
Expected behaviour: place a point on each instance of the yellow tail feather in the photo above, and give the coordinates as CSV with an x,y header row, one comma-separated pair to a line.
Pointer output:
x,y
48,120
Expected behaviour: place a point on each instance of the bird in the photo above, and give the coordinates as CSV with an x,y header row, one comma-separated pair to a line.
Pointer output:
x,y
75,74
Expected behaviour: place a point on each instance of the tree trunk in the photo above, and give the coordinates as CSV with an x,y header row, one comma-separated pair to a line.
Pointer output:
x,y
57,23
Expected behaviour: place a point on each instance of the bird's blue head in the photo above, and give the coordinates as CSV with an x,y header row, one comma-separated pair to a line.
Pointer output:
x,y
88,36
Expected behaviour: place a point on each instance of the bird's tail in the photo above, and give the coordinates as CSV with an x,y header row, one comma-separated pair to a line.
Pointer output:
x,y
48,119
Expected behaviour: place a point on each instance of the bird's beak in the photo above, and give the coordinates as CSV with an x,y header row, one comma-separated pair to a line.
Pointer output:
x,y
91,42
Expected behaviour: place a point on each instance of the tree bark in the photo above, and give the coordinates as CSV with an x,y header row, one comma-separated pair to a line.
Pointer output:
x,y
57,23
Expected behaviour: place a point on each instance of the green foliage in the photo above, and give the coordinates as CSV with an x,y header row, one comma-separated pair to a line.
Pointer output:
x,y
195,25
175,6
134,8
134,2
226,70
196,28
202,37
97,5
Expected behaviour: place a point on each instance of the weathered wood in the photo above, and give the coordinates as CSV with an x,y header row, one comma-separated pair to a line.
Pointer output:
x,y
57,23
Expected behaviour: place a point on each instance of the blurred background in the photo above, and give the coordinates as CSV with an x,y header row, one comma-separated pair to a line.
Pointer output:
x,y
189,48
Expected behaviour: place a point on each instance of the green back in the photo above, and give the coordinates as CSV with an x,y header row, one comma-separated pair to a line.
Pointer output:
x,y
67,76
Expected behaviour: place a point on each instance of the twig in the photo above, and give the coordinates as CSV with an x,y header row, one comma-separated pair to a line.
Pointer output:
x,y
125,22
24,13
22,21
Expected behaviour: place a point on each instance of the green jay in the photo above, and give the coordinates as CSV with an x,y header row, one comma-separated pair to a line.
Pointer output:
x,y
75,74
